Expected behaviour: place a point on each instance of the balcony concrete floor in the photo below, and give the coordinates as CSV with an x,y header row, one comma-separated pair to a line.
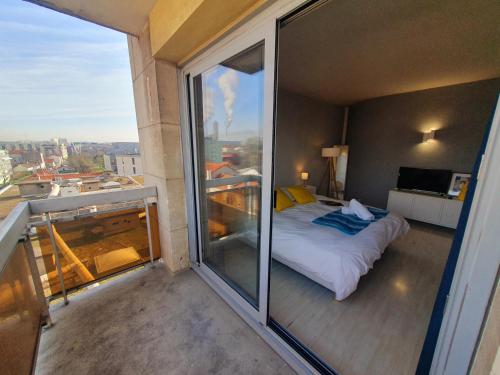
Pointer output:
x,y
150,322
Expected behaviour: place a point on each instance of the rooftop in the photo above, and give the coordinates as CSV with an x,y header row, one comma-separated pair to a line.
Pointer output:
x,y
34,182
216,166
52,176
128,155
9,198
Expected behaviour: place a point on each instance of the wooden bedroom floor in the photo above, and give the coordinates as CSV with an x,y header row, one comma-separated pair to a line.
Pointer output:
x,y
381,327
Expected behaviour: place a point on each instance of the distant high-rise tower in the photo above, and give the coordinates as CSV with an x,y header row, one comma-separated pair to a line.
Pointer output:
x,y
216,131
59,141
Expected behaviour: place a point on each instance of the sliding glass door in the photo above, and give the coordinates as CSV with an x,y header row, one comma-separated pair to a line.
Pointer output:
x,y
228,107
231,113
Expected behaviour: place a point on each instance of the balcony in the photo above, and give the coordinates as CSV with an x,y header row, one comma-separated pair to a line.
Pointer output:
x,y
133,315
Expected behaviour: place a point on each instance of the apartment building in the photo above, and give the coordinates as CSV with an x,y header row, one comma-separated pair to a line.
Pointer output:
x,y
5,168
110,162
128,165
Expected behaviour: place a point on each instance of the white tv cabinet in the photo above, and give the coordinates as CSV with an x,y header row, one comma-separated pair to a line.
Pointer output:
x,y
424,207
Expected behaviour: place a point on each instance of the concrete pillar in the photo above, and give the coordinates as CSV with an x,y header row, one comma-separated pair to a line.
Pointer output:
x,y
158,120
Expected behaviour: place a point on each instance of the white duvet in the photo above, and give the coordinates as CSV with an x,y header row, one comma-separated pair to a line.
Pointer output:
x,y
326,255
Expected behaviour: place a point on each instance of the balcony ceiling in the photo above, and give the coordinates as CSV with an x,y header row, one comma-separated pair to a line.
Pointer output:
x,y
128,16
179,29
348,51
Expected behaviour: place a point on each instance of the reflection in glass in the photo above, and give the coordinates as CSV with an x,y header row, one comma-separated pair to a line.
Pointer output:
x,y
20,314
94,247
228,109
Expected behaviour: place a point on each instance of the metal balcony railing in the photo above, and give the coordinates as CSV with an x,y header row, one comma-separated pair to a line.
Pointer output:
x,y
49,247
235,180
232,205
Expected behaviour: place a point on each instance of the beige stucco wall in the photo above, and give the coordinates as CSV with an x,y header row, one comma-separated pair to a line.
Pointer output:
x,y
158,121
182,28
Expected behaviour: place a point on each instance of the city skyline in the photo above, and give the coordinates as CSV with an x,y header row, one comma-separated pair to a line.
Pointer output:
x,y
61,76
51,140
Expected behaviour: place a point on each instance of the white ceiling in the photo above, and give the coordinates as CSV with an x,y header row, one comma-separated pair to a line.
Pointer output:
x,y
351,50
128,16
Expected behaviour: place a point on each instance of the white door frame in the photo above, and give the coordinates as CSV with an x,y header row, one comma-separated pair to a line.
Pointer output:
x,y
478,261
477,267
216,56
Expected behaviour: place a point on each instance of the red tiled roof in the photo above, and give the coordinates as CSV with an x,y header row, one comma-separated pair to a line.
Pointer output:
x,y
53,176
212,167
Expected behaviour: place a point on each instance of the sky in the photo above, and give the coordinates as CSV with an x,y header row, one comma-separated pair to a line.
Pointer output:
x,y
62,77
233,98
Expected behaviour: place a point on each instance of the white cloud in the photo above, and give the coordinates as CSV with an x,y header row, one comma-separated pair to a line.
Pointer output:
x,y
208,103
228,83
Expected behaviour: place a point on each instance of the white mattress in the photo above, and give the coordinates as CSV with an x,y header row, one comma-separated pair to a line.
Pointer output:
x,y
327,256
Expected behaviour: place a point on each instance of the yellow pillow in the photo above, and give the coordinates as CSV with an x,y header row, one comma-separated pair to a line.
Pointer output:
x,y
282,201
301,194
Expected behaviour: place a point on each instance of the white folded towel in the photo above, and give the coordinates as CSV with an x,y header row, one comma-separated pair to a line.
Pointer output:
x,y
358,209
347,211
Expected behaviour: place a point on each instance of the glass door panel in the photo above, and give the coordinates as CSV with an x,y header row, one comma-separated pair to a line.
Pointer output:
x,y
228,108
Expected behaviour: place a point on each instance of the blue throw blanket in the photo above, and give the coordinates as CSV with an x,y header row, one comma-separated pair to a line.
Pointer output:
x,y
349,224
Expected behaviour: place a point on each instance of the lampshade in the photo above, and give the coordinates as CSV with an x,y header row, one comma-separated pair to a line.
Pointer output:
x,y
304,176
330,152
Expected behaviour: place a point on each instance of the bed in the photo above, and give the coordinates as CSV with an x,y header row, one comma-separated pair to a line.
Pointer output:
x,y
325,255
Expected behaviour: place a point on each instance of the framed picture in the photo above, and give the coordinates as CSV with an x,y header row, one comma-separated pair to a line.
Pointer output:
x,y
458,180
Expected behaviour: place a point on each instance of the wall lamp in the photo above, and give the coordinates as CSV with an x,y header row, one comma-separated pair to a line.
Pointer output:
x,y
428,136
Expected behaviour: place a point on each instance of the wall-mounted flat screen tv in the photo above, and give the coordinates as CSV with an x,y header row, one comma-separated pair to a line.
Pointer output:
x,y
431,180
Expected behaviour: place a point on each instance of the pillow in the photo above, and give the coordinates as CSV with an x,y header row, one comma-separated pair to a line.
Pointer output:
x,y
282,201
287,193
301,194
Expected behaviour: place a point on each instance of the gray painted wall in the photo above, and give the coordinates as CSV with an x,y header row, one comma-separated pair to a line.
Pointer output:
x,y
303,127
386,133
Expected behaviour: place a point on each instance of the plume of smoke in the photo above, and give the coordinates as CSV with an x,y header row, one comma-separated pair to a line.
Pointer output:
x,y
228,83
208,104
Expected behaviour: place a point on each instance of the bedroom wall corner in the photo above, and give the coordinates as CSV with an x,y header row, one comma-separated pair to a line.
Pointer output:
x,y
304,125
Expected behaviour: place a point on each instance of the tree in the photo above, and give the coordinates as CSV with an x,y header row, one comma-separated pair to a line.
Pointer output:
x,y
251,155
81,163
99,161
